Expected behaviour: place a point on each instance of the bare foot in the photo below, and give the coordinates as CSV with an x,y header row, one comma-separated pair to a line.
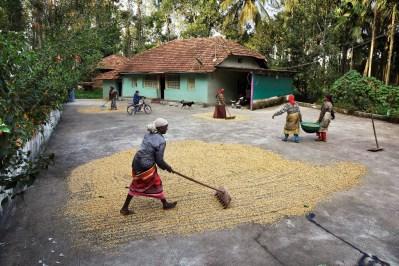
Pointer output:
x,y
169,205
126,212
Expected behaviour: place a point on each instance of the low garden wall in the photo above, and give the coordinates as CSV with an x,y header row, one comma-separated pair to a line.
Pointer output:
x,y
36,146
272,101
354,113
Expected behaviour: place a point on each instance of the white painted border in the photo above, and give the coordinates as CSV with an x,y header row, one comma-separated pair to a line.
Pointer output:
x,y
35,146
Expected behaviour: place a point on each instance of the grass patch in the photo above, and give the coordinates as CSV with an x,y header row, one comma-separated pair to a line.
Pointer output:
x,y
89,94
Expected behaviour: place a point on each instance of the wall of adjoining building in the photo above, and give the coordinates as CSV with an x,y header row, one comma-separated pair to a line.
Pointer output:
x,y
197,94
271,85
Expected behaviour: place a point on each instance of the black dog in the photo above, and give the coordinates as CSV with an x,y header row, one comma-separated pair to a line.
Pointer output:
x,y
184,103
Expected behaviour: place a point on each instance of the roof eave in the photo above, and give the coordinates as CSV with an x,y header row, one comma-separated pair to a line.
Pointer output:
x,y
165,72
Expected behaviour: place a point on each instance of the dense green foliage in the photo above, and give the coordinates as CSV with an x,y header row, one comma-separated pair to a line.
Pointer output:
x,y
96,93
315,38
39,65
36,82
355,92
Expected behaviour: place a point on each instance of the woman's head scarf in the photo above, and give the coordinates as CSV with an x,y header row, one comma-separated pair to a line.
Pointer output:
x,y
291,99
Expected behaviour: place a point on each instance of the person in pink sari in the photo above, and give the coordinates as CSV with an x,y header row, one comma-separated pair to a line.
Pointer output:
x,y
220,107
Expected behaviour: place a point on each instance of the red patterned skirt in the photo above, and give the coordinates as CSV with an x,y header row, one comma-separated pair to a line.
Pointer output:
x,y
147,184
220,111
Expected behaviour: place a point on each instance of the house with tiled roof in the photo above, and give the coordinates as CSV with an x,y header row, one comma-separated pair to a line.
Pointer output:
x,y
193,70
108,73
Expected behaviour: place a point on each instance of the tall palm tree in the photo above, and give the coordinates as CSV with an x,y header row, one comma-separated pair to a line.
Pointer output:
x,y
351,17
377,6
391,41
246,11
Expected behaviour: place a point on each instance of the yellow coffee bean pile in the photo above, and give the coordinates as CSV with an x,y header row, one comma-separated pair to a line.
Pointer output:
x,y
263,185
103,109
209,116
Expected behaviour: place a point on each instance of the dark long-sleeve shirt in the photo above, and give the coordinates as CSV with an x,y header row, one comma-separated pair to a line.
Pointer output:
x,y
136,98
151,152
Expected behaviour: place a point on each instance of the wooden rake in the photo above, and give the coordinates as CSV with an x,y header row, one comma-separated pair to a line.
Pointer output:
x,y
221,193
230,116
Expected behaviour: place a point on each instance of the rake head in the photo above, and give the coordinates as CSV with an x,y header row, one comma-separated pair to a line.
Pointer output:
x,y
376,149
223,197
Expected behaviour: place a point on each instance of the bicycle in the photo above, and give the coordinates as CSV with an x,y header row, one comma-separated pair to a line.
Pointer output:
x,y
142,106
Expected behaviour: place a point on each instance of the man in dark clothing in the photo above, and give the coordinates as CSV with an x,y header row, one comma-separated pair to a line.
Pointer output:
x,y
113,94
146,181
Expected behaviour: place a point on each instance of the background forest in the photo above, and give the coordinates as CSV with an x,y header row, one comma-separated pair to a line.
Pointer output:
x,y
349,48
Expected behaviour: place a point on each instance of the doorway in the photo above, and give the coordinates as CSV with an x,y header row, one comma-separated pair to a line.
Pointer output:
x,y
119,87
162,84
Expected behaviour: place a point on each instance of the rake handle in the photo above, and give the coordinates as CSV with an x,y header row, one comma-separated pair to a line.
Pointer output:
x,y
227,111
198,182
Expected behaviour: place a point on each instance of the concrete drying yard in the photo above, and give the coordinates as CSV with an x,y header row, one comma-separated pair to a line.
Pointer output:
x,y
361,221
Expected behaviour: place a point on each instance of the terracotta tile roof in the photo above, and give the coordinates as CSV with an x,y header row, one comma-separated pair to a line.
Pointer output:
x,y
109,75
112,62
189,55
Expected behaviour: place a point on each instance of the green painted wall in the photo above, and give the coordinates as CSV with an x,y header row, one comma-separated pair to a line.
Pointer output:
x,y
128,89
206,86
270,86
107,86
198,94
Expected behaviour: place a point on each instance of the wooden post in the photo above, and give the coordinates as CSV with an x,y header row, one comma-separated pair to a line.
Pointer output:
x,y
375,133
252,91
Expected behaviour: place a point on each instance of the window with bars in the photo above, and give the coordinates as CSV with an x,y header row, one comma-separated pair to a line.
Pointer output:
x,y
151,82
191,84
173,82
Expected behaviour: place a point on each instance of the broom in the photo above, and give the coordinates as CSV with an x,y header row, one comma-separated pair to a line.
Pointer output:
x,y
104,105
221,193
230,116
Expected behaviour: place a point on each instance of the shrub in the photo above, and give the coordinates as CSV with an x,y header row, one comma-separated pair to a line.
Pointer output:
x,y
355,92
35,82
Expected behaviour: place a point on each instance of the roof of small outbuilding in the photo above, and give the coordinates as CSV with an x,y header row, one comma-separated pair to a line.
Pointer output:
x,y
112,62
110,75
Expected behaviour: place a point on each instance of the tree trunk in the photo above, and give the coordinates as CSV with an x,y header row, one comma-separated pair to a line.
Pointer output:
x,y
168,32
366,67
344,59
128,49
139,27
391,42
372,42
128,42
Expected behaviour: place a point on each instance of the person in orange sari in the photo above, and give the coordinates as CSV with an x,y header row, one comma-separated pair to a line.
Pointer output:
x,y
220,108
146,180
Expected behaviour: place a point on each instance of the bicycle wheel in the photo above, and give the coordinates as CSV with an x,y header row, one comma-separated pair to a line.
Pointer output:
x,y
147,109
130,109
